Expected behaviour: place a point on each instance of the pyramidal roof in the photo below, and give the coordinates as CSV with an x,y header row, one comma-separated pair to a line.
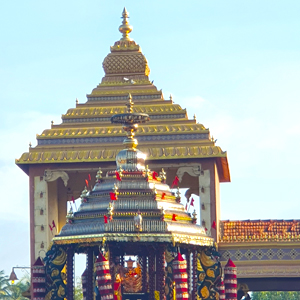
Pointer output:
x,y
86,135
131,203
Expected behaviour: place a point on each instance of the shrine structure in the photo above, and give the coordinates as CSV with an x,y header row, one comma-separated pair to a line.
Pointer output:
x,y
69,153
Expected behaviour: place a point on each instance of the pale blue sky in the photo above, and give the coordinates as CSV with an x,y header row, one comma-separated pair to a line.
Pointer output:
x,y
236,64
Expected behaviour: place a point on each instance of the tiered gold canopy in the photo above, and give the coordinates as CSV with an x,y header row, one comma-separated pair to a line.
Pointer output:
x,y
86,135
144,209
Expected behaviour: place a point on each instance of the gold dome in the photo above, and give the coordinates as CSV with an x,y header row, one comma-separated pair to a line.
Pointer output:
x,y
126,56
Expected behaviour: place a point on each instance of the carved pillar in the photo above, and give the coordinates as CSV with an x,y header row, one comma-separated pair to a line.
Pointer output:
x,y
144,273
151,258
188,269
160,271
90,274
70,274
194,274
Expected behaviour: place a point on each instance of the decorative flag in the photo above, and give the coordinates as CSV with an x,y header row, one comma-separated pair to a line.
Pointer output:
x,y
192,202
87,183
89,176
113,196
50,227
53,224
163,195
214,225
105,219
230,280
174,217
205,229
186,206
73,199
154,175
175,181
118,176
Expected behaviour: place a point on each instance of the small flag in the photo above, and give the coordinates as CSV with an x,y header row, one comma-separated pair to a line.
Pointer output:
x,y
89,176
53,224
73,199
113,196
50,228
192,202
118,176
205,229
105,219
154,175
163,195
175,181
87,183
186,206
214,225
174,217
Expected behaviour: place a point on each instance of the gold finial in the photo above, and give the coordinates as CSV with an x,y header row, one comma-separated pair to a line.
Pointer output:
x,y
125,28
129,104
76,101
171,98
110,209
52,122
99,175
162,175
194,219
115,189
30,145
84,193
195,118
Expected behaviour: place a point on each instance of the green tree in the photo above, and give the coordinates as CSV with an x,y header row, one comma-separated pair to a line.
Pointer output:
x,y
78,289
275,296
15,290
4,283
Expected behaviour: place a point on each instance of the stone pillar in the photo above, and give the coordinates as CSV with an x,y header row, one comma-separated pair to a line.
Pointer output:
x,y
90,274
70,273
40,217
208,192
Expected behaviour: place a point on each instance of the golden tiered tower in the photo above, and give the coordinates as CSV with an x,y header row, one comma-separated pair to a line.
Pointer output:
x,y
86,140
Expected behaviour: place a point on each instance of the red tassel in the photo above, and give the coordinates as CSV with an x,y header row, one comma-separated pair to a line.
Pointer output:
x,y
214,225
174,217
118,176
105,219
87,183
175,181
163,195
89,176
113,196
154,175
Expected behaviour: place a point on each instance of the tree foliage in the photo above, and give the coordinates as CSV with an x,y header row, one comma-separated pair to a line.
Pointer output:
x,y
275,296
78,289
10,291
